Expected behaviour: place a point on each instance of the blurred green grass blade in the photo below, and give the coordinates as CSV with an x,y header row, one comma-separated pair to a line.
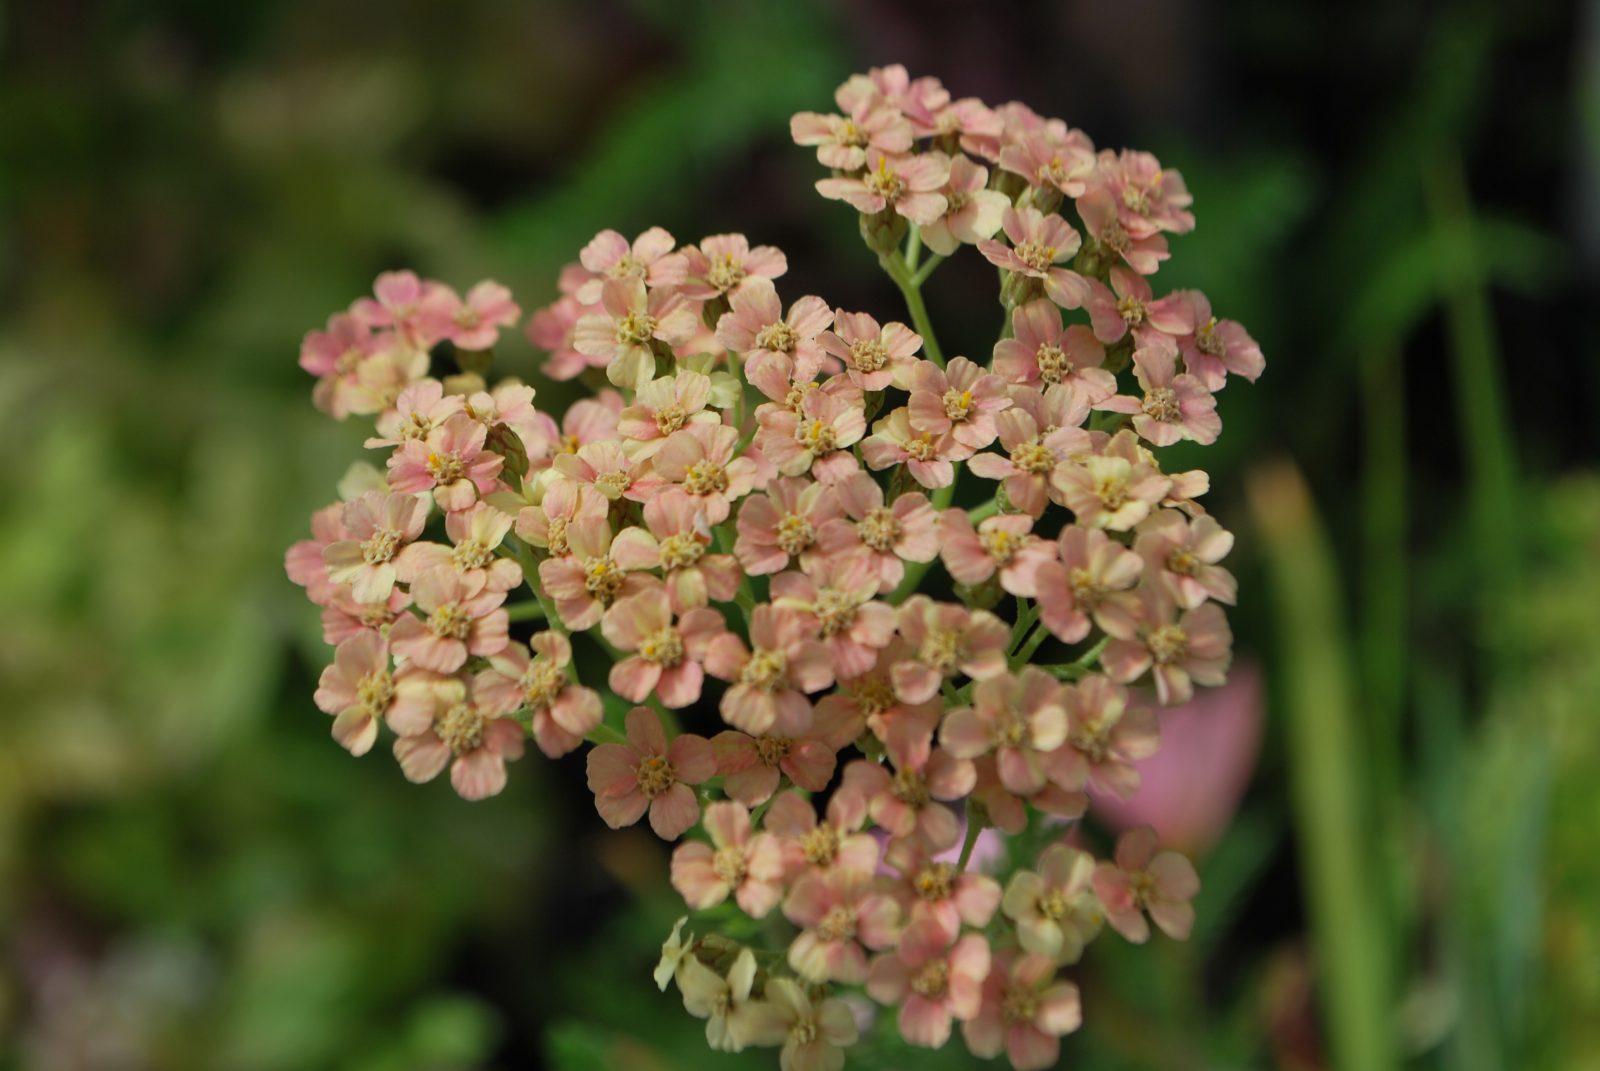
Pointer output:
x,y
1328,788
1483,425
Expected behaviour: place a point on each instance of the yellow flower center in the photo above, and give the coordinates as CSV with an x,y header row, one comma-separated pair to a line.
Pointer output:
x,y
935,882
725,272
1161,403
461,728
932,980
910,788
635,329
957,404
778,337
869,354
1167,644
664,647
820,845
471,554
1053,364
1036,256
839,924
795,534
705,478
445,468
681,551
541,683
380,546
602,579
450,623
655,775
765,670
879,529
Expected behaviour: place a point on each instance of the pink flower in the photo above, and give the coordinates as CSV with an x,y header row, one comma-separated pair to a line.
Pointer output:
x,y
476,532
1092,569
1183,555
1020,718
888,536
629,320
906,802
564,502
944,639
598,571
1128,305
440,726
1038,244
1141,880
1042,353
934,978
587,420
473,324
724,263
738,861
1176,405
1055,910
664,406
834,844
451,462
781,526
609,469
552,329
874,356
400,296
908,184
1025,1013
1003,544
682,536
648,774
538,682
1107,738
1114,489
335,357
771,343
669,659
837,601
1038,432
379,526
462,617
420,409
972,213
842,141
343,617
932,890
751,766
770,681
928,457
1059,158
701,460
649,260
304,562
1178,651
1143,254
1217,347
813,1033
904,729
357,689
1148,197
960,398
817,437
838,913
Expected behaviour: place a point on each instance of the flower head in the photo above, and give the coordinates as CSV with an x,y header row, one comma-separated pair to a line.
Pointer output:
x,y
648,774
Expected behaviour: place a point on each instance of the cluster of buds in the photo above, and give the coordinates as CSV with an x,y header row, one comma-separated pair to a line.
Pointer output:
x,y
745,518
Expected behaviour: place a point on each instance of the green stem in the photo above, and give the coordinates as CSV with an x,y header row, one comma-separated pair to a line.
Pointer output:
x,y
605,734
921,275
909,289
1040,634
983,512
525,611
974,828
913,247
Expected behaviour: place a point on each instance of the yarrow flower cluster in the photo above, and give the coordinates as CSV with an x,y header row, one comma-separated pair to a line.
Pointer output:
x,y
745,519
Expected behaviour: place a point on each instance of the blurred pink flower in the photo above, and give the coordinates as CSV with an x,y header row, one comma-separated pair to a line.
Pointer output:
x,y
1190,788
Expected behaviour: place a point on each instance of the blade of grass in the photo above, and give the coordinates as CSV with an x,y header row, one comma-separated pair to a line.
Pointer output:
x,y
1355,979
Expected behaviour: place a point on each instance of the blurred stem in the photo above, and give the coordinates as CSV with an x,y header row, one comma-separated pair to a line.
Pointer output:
x,y
1328,792
1040,634
934,260
911,290
913,247
983,512
1383,632
1481,414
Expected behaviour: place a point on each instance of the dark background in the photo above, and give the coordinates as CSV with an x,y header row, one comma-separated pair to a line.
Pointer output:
x,y
1398,200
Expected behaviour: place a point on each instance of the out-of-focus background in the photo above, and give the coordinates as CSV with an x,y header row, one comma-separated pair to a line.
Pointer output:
x,y
1393,808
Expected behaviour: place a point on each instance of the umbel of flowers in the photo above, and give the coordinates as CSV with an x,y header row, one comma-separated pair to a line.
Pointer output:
x,y
746,517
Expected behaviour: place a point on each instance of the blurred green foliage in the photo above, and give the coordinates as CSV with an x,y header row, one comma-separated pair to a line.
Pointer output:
x,y
193,876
